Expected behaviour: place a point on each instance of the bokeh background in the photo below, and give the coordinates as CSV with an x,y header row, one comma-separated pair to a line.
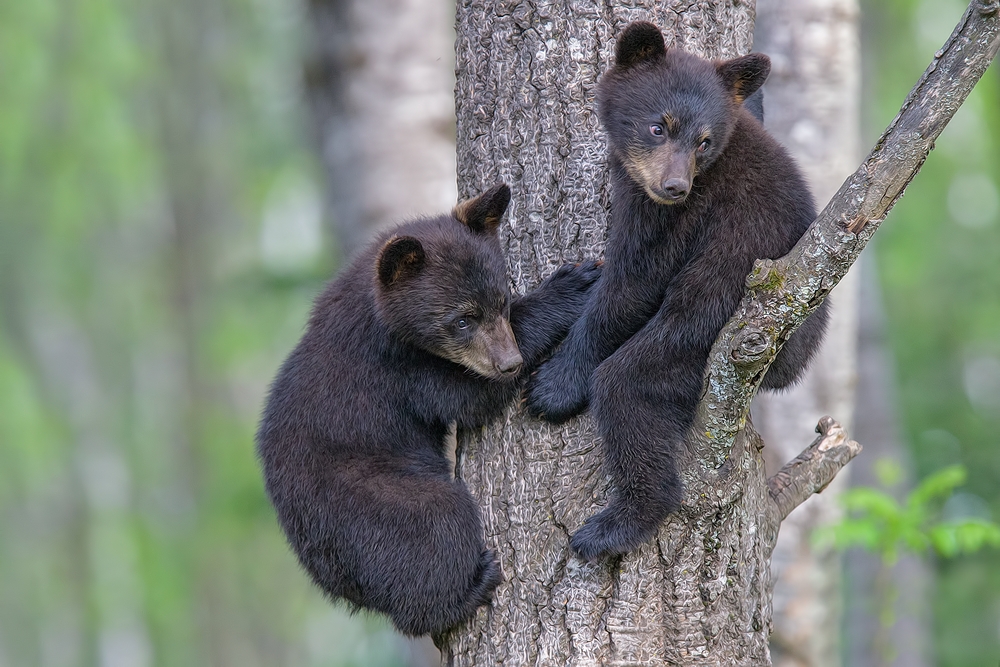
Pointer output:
x,y
939,263
163,231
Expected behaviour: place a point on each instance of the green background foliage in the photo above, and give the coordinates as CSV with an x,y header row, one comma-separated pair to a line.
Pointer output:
x,y
938,256
160,243
878,522
145,147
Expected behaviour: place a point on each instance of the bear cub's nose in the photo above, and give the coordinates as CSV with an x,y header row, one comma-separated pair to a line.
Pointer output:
x,y
675,188
510,365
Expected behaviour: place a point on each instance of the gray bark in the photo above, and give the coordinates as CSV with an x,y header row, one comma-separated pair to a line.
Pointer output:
x,y
382,102
699,594
812,108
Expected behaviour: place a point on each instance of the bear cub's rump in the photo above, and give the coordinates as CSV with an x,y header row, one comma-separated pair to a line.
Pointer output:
x,y
419,332
699,192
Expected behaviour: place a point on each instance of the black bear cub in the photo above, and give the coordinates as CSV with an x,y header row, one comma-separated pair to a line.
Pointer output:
x,y
419,332
700,191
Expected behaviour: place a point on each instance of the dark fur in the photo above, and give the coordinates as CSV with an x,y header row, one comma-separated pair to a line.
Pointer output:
x,y
352,438
674,272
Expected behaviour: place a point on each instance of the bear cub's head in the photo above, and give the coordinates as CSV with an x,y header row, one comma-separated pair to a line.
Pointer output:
x,y
669,114
441,285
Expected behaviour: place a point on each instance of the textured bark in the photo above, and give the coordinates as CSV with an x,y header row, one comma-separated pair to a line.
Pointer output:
x,y
812,108
699,594
382,103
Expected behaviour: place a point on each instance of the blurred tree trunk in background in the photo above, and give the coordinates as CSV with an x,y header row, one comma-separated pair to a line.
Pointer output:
x,y
812,106
184,123
380,80
906,639
134,341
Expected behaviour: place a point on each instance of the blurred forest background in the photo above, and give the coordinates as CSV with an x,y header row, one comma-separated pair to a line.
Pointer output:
x,y
162,233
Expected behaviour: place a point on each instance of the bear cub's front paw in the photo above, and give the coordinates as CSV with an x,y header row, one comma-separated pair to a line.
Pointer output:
x,y
568,289
575,280
556,392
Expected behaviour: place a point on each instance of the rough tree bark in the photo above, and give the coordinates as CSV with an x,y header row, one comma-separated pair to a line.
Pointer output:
x,y
700,593
382,108
812,108
526,115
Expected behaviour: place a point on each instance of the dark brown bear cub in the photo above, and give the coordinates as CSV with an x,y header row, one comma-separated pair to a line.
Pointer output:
x,y
419,332
700,191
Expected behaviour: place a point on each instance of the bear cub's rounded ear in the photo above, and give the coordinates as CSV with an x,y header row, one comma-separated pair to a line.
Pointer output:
x,y
399,258
639,42
482,214
743,76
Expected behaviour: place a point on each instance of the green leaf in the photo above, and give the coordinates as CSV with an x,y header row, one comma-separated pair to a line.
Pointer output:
x,y
878,523
944,541
865,500
856,532
888,471
964,537
915,539
938,486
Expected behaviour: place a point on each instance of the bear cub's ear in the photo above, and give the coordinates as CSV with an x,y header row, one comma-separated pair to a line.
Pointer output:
x,y
400,258
482,214
639,42
744,75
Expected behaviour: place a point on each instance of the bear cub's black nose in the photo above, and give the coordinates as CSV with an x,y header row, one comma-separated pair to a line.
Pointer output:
x,y
510,365
675,188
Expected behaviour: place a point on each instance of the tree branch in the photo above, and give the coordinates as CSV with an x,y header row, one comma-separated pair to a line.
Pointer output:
x,y
783,292
811,471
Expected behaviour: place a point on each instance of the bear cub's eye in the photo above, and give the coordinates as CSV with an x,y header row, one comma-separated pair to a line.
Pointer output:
x,y
465,322
656,130
703,146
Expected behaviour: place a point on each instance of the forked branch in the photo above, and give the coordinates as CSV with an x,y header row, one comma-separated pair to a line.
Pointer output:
x,y
783,292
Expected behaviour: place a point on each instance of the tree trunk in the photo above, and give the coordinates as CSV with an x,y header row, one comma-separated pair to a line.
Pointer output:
x,y
382,103
699,594
812,108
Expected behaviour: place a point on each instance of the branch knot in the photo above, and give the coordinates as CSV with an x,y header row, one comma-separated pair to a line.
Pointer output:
x,y
749,346
832,434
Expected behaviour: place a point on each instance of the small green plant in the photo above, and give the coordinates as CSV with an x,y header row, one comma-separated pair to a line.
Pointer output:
x,y
878,522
